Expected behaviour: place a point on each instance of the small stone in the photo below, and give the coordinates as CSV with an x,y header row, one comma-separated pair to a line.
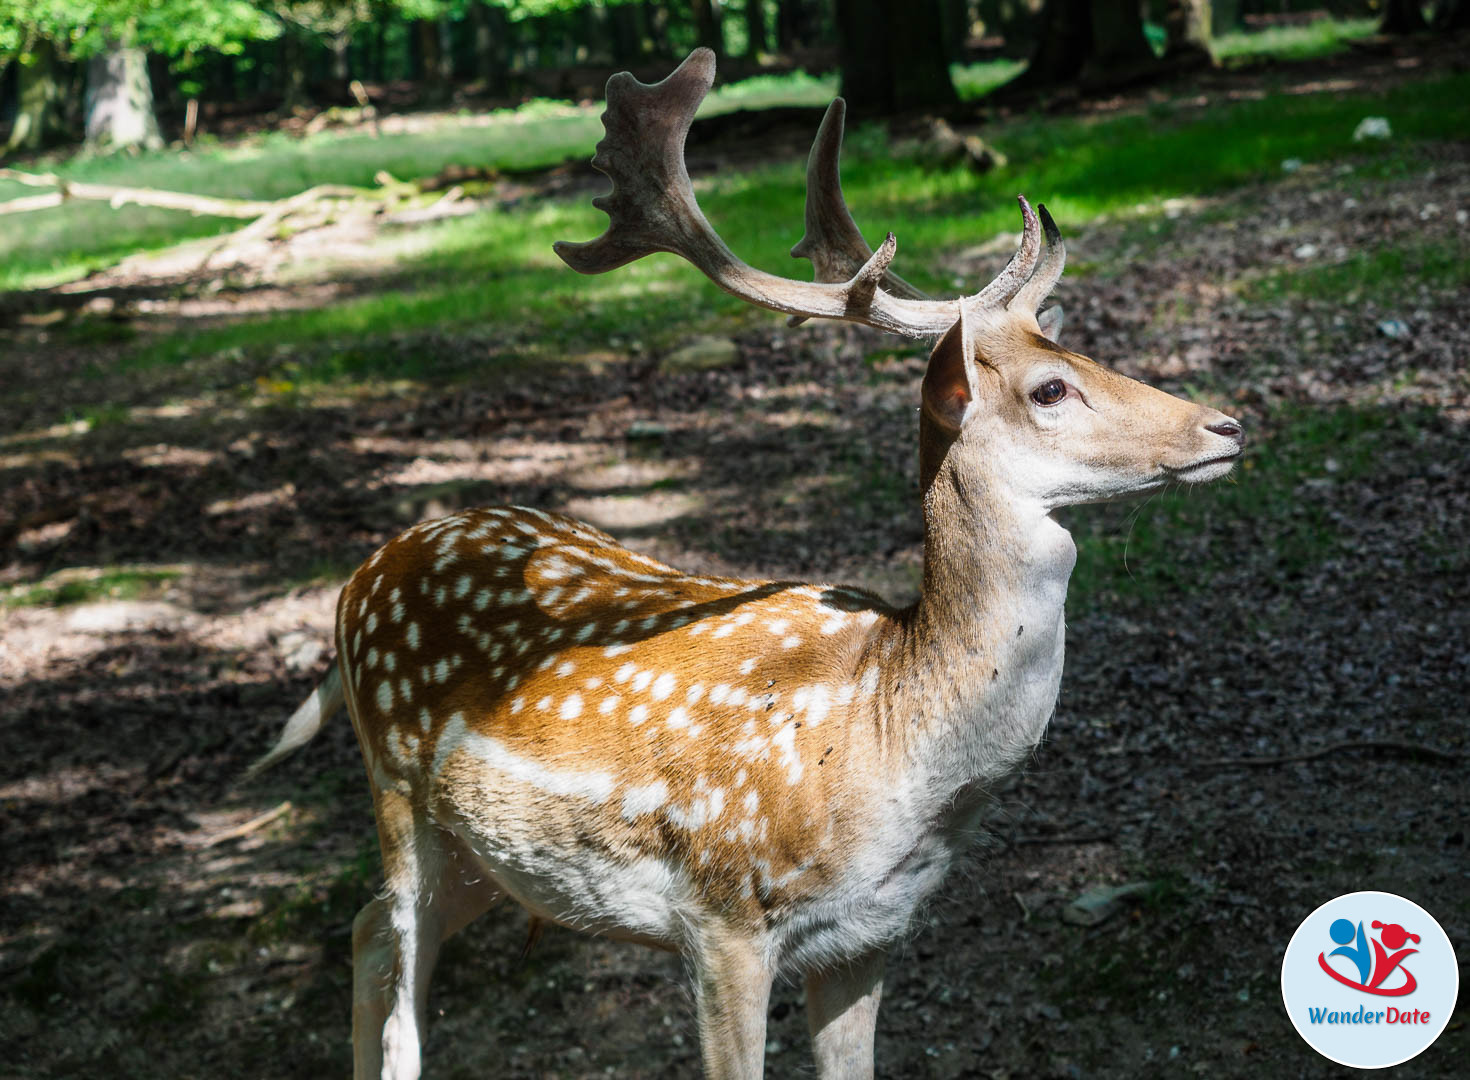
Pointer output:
x,y
702,354
1306,251
1101,902
646,429
301,651
1394,328
1372,127
1291,164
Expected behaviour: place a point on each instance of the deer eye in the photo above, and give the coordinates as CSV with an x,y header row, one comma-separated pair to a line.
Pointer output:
x,y
1049,393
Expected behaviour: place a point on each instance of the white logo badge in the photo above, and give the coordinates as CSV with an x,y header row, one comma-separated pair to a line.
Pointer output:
x,y
1369,980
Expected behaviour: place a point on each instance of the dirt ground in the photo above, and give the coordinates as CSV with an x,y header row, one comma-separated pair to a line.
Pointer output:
x,y
1277,720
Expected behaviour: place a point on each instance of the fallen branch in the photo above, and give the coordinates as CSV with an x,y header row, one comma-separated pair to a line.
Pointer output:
x,y
253,825
122,196
275,213
1407,749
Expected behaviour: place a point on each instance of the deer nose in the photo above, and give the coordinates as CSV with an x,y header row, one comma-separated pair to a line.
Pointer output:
x,y
1231,429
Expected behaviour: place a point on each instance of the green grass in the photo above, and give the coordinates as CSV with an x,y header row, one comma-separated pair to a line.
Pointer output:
x,y
87,586
1312,41
1381,275
974,81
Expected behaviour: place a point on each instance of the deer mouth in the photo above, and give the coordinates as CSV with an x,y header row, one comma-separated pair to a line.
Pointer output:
x,y
1200,472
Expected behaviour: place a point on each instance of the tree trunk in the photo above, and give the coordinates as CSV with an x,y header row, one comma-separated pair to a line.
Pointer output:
x,y
755,27
707,25
892,56
341,45
656,25
1098,42
956,16
1118,44
1063,43
432,62
794,24
627,40
1224,16
492,40
293,70
1402,17
119,101
1187,32
39,101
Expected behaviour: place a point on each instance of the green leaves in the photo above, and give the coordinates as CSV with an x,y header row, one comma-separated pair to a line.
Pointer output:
x,y
80,28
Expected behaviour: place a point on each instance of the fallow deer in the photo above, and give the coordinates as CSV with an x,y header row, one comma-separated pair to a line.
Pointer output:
x,y
765,776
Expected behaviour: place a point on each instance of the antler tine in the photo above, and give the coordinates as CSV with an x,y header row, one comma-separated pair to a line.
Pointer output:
x,y
1047,272
652,208
832,240
1016,272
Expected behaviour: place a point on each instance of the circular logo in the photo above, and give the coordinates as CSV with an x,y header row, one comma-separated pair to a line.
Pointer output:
x,y
1369,980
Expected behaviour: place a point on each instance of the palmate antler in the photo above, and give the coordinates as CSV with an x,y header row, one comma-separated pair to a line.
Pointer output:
x,y
652,208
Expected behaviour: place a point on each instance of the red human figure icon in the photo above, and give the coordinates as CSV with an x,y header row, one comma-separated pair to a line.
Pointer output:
x,y
1393,936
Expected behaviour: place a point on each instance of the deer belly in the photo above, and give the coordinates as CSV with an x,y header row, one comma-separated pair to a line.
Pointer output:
x,y
566,880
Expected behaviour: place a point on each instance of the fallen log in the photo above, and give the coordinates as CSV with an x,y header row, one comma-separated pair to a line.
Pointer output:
x,y
121,196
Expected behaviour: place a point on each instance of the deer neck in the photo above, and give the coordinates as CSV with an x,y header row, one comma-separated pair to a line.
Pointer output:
x,y
978,662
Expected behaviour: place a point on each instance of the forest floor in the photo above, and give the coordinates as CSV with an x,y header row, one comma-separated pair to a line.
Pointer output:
x,y
1264,704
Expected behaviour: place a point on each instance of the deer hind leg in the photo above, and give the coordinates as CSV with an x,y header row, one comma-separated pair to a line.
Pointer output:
x,y
434,888
732,987
842,1012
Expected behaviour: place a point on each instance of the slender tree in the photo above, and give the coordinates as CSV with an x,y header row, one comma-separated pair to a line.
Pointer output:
x,y
893,55
1187,32
39,108
1402,17
1089,41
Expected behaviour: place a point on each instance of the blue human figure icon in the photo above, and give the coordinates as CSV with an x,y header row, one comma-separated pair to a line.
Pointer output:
x,y
1342,932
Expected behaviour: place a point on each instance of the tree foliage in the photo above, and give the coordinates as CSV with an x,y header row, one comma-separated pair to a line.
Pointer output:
x,y
83,28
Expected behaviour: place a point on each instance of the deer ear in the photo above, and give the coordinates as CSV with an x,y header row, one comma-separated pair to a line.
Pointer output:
x,y
949,382
1050,322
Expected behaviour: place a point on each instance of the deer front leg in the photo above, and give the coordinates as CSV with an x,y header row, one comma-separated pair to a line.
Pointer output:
x,y
732,988
842,1012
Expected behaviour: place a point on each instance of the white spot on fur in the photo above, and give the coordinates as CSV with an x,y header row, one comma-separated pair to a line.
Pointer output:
x,y
679,718
571,707
663,686
785,742
412,636
637,714
645,799
385,695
